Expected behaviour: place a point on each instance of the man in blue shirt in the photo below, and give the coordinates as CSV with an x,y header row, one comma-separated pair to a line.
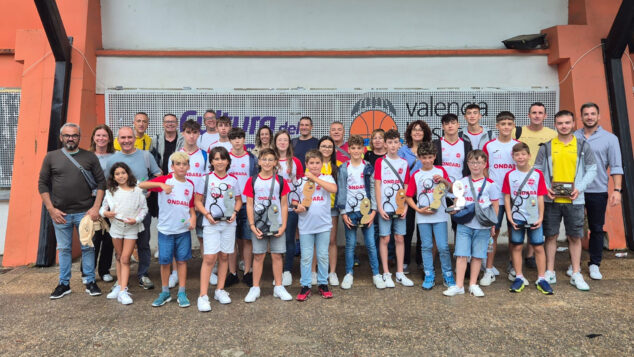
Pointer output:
x,y
305,141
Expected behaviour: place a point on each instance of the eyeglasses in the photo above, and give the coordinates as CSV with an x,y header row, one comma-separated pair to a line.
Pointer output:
x,y
73,136
417,130
476,163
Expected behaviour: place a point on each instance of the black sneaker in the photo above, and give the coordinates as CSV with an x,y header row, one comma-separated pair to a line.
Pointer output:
x,y
530,262
60,291
232,278
92,289
248,279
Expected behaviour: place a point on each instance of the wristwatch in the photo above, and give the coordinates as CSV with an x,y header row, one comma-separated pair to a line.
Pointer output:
x,y
619,190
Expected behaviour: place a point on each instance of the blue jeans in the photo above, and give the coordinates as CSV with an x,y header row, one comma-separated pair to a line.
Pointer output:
x,y
64,237
291,228
351,242
320,241
439,231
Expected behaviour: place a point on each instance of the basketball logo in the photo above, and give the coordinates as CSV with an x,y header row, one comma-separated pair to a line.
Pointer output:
x,y
371,114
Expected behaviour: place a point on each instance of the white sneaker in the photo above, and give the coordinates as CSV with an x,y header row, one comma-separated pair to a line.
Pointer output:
x,y
280,292
550,277
347,281
595,273
387,278
156,254
114,293
569,272
403,280
512,274
578,282
526,282
254,294
487,278
107,278
124,297
222,297
287,278
453,291
213,279
476,291
333,279
313,279
203,304
496,272
173,280
241,265
378,281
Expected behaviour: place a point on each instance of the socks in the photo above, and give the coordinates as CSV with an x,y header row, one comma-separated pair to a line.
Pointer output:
x,y
181,289
165,289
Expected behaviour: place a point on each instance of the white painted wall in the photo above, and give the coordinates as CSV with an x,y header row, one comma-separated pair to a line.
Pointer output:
x,y
326,73
4,216
324,24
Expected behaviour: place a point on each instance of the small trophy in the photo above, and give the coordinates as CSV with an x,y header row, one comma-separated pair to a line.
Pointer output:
x,y
563,189
365,213
229,198
273,215
309,189
400,203
439,192
532,212
459,201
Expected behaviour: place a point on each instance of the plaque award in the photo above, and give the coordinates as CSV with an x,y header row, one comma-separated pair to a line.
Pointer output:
x,y
400,203
273,215
439,193
365,213
229,199
563,189
309,189
532,212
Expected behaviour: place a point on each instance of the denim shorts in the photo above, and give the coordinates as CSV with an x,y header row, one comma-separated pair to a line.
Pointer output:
x,y
535,236
501,214
277,245
573,216
396,226
177,246
243,231
471,242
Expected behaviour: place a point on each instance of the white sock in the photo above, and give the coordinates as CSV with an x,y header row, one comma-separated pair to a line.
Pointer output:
x,y
490,270
174,272
400,275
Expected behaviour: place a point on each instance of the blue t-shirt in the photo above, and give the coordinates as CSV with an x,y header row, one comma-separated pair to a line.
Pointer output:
x,y
139,162
302,147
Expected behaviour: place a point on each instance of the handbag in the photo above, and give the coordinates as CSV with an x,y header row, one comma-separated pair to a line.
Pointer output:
x,y
485,216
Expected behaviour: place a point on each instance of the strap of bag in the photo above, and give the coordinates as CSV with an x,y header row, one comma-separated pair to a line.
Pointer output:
x,y
87,175
205,189
473,189
394,171
342,152
519,190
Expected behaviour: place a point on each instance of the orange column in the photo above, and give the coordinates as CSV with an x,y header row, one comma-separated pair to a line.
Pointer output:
x,y
578,45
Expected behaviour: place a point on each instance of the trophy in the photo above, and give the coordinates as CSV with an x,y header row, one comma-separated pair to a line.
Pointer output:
x,y
229,198
459,201
439,193
532,212
273,217
309,189
400,203
365,213
563,189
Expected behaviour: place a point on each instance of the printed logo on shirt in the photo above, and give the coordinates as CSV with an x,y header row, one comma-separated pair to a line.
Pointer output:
x,y
458,155
531,181
186,192
197,165
243,165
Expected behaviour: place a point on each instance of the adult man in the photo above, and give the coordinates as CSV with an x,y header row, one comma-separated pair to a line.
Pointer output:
x,y
607,153
68,197
476,134
210,136
167,142
569,162
142,140
305,141
143,167
341,148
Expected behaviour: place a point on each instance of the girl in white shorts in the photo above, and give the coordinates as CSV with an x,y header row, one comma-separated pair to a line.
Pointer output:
x,y
219,224
125,205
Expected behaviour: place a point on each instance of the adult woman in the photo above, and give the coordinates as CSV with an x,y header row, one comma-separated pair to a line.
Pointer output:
x,y
416,132
262,139
101,143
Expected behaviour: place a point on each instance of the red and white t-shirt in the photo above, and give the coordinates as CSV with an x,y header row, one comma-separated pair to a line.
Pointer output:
x,y
500,159
207,139
293,180
422,185
260,193
217,188
174,208
317,219
240,169
491,193
226,144
453,156
535,186
390,183
197,166
355,190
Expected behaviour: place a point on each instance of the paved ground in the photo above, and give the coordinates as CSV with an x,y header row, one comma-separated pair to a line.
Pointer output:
x,y
361,321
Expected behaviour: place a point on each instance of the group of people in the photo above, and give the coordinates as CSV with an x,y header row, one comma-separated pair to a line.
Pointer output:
x,y
287,195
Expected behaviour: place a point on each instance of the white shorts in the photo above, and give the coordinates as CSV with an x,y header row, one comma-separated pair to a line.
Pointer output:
x,y
219,237
119,230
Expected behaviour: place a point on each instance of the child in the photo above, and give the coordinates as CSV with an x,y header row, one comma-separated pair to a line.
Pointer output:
x,y
432,223
219,232
517,201
472,238
176,219
223,124
260,200
356,184
315,225
290,168
500,161
391,175
476,134
242,165
125,205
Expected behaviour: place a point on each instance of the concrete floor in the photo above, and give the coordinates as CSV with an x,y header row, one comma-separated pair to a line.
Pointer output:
x,y
360,321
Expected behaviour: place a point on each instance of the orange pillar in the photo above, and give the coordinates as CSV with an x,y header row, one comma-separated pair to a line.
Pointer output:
x,y
578,45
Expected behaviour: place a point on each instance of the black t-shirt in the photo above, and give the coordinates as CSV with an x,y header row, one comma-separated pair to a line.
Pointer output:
x,y
302,146
170,147
371,157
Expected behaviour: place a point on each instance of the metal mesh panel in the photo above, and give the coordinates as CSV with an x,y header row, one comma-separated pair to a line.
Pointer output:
x,y
9,109
250,109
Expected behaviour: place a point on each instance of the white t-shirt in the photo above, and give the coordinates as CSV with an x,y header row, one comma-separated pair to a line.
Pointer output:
x,y
293,179
216,191
355,189
240,169
491,193
207,139
174,208
476,139
226,144
390,183
500,159
260,195
421,185
453,158
317,219
535,186
197,166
